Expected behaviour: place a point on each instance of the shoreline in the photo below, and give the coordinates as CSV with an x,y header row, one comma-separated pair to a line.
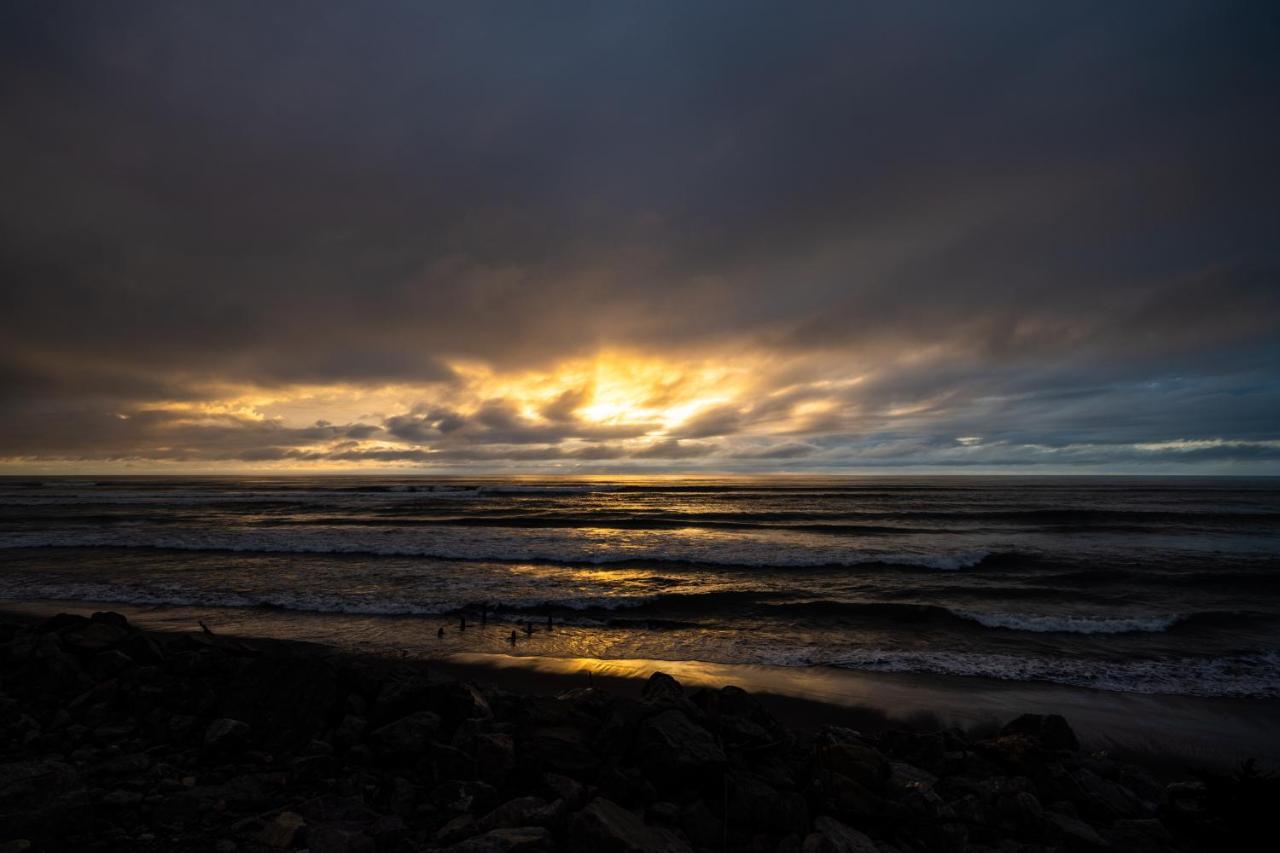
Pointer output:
x,y
1175,730
119,738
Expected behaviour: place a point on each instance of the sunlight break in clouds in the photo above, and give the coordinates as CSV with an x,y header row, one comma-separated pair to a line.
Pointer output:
x,y
718,239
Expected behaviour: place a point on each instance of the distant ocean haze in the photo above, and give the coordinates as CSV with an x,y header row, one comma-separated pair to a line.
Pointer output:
x,y
1164,585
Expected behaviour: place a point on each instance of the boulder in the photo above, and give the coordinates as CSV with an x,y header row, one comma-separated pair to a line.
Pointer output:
x,y
349,732
93,636
282,830
24,784
61,622
1050,730
1144,835
837,752
495,756
753,804
606,827
560,749
662,689
458,796
843,796
670,744
457,701
336,838
1106,800
905,777
832,836
226,735
407,737
563,788
513,840
402,694
1075,833
287,698
521,811
109,617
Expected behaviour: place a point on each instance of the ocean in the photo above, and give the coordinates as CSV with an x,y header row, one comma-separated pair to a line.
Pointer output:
x,y
1132,585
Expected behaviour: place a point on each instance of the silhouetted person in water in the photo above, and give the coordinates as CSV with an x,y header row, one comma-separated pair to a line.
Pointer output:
x,y
484,614
462,622
513,636
548,621
440,633
528,628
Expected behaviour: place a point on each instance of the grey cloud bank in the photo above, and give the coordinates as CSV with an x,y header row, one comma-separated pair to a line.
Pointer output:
x,y
1052,228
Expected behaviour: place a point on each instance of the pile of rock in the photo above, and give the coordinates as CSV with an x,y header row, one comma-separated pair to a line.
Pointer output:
x,y
114,738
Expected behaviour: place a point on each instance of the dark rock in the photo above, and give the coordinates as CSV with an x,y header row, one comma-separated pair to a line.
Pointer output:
x,y
333,808
336,838
664,813
463,796
923,749
287,698
1146,835
93,636
904,778
449,762
389,831
349,732
671,744
143,649
495,756
521,811
1106,800
701,825
838,751
282,830
572,792
24,784
312,767
836,793
109,664
226,735
457,701
109,617
1075,833
120,797
753,805
559,749
460,827
606,827
1027,808
662,689
407,737
832,836
402,694
61,622
1052,731
516,840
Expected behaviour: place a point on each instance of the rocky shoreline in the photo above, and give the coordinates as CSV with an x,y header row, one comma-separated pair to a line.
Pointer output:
x,y
113,738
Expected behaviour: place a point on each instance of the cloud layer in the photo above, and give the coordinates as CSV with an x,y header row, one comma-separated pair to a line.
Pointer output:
x,y
640,236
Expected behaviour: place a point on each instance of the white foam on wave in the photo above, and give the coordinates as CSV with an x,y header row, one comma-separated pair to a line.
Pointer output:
x,y
1047,624
185,597
176,595
577,545
1243,676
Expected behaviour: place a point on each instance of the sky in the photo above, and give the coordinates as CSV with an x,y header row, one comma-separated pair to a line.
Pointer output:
x,y
640,237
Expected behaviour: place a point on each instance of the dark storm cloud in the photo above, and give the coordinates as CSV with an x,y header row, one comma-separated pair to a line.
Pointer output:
x,y
1045,226
500,422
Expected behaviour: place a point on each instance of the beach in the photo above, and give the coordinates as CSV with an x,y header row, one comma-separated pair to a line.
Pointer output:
x,y
895,664
1218,732
120,738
